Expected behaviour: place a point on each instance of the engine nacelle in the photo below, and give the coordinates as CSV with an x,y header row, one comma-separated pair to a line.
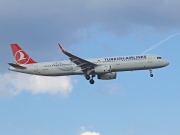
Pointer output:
x,y
107,76
102,69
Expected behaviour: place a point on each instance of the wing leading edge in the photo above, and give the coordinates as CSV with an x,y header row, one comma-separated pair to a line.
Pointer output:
x,y
84,64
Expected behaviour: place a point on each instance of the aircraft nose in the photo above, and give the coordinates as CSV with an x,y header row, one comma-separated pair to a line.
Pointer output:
x,y
166,63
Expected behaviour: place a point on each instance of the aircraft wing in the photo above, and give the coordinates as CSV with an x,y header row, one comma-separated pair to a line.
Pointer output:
x,y
84,64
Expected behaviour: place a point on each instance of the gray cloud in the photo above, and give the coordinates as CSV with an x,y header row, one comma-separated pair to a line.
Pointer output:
x,y
66,17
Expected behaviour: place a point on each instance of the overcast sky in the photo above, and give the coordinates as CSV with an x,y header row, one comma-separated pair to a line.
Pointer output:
x,y
133,104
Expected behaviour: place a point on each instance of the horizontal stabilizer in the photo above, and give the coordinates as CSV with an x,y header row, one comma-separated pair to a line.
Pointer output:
x,y
16,66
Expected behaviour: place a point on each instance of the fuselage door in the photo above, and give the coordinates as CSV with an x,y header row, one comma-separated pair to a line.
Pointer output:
x,y
35,68
149,59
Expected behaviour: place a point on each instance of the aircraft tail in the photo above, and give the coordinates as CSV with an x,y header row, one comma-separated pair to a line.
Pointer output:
x,y
21,57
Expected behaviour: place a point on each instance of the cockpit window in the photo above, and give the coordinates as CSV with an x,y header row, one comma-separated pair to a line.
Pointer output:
x,y
159,57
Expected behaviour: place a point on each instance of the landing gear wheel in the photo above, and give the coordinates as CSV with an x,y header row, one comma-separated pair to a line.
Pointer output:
x,y
151,75
91,81
87,77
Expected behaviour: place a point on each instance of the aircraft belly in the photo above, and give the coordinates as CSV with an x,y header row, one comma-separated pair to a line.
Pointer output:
x,y
138,65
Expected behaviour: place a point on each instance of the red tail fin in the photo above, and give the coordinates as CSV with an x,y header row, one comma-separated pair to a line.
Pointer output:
x,y
21,57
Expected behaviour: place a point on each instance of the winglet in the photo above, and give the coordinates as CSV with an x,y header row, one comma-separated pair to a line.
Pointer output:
x,y
62,49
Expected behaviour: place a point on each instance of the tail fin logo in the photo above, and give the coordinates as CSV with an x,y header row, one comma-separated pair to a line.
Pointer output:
x,y
21,57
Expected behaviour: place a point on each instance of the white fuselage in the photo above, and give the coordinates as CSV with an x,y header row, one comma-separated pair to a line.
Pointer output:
x,y
118,64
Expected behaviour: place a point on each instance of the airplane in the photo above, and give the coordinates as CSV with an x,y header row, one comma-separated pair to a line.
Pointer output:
x,y
104,68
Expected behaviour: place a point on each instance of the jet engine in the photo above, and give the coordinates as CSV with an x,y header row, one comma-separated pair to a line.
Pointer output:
x,y
102,69
107,76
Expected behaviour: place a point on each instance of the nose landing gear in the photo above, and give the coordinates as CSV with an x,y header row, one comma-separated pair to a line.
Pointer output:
x,y
151,74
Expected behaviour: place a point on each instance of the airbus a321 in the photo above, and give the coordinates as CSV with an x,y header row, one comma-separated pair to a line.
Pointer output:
x,y
104,68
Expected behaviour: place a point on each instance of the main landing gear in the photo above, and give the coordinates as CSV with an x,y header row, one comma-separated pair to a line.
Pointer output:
x,y
87,77
91,80
151,74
